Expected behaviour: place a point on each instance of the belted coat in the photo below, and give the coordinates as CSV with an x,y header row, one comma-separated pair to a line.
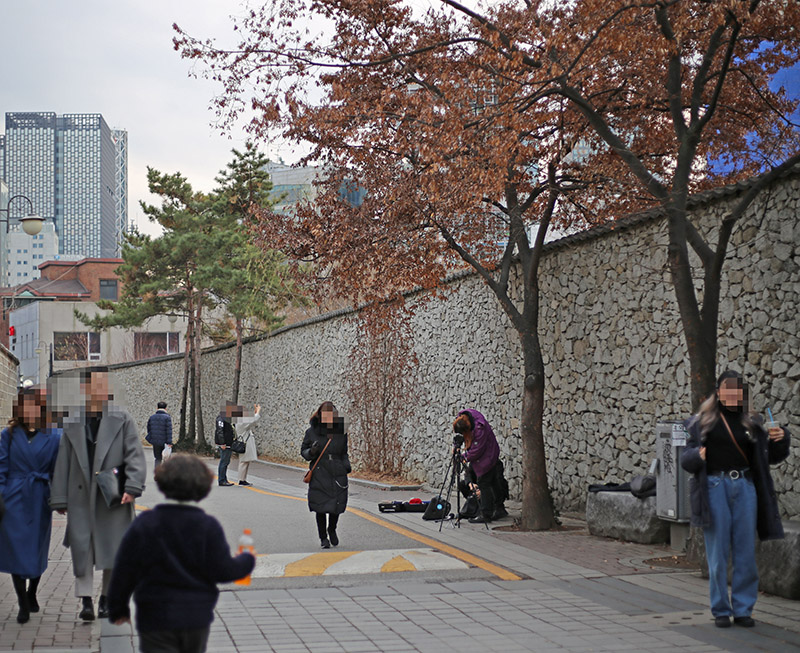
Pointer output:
x,y
26,467
327,491
74,487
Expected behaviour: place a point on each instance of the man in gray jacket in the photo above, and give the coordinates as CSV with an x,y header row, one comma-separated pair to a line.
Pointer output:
x,y
102,438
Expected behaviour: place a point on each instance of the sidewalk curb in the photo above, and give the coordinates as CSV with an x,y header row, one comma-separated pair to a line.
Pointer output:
x,y
375,485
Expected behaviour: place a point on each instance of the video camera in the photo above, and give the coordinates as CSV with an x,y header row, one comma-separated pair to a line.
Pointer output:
x,y
458,440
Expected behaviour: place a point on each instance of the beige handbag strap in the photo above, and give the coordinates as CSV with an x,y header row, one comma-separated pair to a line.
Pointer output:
x,y
321,453
735,443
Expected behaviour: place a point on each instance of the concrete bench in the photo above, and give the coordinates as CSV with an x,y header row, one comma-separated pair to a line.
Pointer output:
x,y
778,561
622,516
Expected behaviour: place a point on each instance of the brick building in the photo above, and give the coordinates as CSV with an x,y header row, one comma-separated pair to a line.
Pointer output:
x,y
40,328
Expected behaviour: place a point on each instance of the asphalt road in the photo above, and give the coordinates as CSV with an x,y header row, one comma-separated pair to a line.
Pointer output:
x,y
274,508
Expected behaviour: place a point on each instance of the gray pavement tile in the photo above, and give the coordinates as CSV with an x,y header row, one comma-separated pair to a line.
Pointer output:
x,y
369,590
413,588
247,598
312,594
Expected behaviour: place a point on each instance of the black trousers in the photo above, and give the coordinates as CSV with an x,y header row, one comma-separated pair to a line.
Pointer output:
x,y
158,452
174,641
322,527
492,489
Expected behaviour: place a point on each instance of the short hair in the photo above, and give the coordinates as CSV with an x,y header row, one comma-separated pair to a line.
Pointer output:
x,y
184,477
162,404
463,424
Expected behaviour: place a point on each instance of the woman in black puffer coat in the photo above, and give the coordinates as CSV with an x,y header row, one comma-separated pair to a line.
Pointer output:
x,y
327,491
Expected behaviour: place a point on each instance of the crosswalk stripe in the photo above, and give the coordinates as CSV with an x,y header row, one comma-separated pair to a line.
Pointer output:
x,y
398,563
315,564
332,563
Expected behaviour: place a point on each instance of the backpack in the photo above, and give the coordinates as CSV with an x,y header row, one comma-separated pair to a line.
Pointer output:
x,y
471,507
438,508
219,432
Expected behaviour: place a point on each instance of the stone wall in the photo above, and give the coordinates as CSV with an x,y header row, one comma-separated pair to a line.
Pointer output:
x,y
614,354
9,382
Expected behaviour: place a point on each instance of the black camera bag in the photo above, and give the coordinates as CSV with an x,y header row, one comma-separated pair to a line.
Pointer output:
x,y
438,508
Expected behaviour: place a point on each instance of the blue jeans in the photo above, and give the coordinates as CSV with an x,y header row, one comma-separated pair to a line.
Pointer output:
x,y
224,461
732,535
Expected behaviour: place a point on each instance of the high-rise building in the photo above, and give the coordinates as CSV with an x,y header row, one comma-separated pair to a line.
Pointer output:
x,y
74,170
26,253
120,185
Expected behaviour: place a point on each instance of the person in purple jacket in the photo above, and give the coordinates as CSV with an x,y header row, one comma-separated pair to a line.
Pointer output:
x,y
483,456
171,559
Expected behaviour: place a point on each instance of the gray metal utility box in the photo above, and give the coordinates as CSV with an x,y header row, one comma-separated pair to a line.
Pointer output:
x,y
672,481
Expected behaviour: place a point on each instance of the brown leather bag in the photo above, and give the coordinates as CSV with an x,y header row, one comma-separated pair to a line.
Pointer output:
x,y
307,475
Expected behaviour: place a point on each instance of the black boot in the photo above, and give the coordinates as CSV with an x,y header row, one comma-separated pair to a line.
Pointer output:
x,y
87,611
325,543
33,585
24,613
102,607
333,537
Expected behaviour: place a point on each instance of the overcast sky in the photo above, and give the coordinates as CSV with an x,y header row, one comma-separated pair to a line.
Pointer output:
x,y
116,58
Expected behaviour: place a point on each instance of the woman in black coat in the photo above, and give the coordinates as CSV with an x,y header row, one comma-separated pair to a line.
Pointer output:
x,y
326,440
732,495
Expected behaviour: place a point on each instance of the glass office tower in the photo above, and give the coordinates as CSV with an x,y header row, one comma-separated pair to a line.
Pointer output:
x,y
68,166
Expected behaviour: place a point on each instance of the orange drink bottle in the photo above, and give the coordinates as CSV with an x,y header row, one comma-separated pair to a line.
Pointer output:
x,y
246,544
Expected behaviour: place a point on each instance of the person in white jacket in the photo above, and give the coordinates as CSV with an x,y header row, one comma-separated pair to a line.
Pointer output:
x,y
244,429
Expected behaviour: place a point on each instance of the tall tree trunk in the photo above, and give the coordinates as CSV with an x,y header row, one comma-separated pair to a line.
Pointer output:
x,y
192,385
237,368
701,340
187,349
537,504
197,403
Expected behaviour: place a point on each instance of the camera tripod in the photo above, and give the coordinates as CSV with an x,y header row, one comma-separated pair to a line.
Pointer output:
x,y
454,469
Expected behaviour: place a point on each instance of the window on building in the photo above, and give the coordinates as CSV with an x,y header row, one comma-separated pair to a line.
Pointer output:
x,y
150,345
76,346
108,289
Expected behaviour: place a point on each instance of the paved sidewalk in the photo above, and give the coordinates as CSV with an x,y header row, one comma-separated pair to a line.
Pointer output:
x,y
578,593
56,627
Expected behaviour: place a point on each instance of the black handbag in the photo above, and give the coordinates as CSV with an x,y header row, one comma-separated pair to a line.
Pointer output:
x,y
112,485
239,446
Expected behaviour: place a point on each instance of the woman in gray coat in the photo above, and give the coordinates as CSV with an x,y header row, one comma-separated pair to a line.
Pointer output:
x,y
104,438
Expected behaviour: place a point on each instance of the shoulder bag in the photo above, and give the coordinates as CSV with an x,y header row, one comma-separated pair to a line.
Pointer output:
x,y
735,444
112,485
307,475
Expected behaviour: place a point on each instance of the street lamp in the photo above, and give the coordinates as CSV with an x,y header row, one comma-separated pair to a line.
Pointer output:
x,y
31,223
41,348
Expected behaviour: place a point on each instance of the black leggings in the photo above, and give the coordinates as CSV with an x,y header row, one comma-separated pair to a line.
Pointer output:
x,y
332,521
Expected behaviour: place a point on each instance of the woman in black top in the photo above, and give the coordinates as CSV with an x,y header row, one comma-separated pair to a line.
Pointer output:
x,y
326,440
732,494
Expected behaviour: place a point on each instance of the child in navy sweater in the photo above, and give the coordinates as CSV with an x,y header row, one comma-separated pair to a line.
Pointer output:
x,y
171,559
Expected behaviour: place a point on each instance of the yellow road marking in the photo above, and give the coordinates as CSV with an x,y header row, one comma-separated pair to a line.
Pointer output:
x,y
398,563
470,559
498,571
316,564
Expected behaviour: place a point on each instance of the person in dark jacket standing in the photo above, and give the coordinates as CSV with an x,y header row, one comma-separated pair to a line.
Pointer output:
x,y
223,437
171,559
28,451
159,431
732,494
483,455
326,441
